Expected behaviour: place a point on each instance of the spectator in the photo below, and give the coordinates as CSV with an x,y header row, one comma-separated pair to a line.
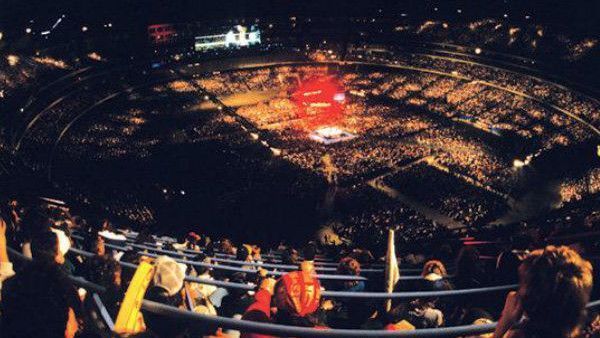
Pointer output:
x,y
469,270
244,254
202,291
434,276
507,267
477,316
106,272
190,242
290,256
39,301
166,288
554,288
296,297
96,245
350,267
45,247
233,302
396,319
227,247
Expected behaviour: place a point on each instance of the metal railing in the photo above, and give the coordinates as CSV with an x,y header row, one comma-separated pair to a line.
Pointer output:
x,y
185,260
284,330
340,294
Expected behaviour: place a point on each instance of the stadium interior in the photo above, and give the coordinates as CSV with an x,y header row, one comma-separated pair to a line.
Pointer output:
x,y
303,169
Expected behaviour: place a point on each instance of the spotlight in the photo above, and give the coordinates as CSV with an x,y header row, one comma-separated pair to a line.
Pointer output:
x,y
518,163
28,30
477,50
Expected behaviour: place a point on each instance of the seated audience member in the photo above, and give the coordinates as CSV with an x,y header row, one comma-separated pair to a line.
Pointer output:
x,y
308,264
350,267
477,316
469,269
434,276
290,256
244,254
397,319
349,313
310,252
507,267
202,292
554,288
96,245
256,256
106,272
45,247
363,256
232,302
296,296
33,222
39,301
227,247
190,242
424,314
166,288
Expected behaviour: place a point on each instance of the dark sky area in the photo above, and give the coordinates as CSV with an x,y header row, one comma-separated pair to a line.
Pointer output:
x,y
576,13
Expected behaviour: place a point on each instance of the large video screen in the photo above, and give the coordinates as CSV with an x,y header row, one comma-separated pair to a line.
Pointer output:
x,y
239,36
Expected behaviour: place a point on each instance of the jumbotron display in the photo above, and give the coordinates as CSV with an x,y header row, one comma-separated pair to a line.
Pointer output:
x,y
237,37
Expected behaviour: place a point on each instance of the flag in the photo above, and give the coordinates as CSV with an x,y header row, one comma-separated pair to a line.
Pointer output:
x,y
129,319
392,272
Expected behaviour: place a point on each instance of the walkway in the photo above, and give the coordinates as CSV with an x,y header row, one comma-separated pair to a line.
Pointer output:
x,y
430,213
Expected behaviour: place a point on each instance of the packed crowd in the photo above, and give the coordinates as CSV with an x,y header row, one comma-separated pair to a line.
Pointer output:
x,y
462,201
469,131
555,282
528,39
